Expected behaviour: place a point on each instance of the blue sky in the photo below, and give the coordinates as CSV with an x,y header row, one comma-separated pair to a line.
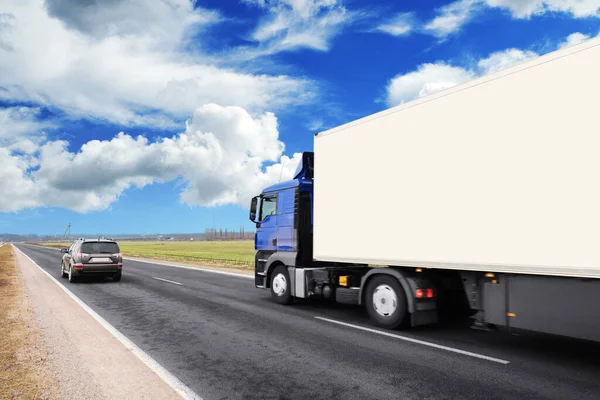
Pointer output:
x,y
159,116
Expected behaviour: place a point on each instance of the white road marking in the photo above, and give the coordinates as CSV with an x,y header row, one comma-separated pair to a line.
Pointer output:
x,y
184,391
166,280
212,271
408,339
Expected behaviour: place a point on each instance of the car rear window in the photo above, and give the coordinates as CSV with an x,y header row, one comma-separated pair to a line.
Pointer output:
x,y
99,248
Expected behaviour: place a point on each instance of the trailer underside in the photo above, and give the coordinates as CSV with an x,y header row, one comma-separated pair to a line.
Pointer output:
x,y
547,304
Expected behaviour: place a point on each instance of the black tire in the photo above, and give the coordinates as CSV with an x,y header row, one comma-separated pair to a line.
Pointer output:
x,y
117,277
63,274
285,296
72,277
389,284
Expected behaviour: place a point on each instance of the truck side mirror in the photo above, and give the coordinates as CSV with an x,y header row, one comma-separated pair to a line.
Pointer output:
x,y
253,209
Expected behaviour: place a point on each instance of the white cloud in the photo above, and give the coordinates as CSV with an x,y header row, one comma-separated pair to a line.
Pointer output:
x,y
432,78
573,39
295,24
18,191
130,73
103,60
528,8
452,17
427,79
21,130
503,59
18,121
219,157
315,124
400,25
167,21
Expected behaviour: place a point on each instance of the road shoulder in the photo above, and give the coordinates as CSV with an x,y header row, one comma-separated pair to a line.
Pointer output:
x,y
25,366
90,362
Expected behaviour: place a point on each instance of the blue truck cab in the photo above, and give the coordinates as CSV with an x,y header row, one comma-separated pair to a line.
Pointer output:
x,y
283,217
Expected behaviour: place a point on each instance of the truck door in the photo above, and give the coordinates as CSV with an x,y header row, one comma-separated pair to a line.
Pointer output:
x,y
285,220
266,235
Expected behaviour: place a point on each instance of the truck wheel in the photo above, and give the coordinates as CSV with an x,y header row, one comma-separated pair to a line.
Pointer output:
x,y
385,301
280,285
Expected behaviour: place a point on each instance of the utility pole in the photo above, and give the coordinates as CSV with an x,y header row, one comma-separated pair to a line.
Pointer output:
x,y
68,231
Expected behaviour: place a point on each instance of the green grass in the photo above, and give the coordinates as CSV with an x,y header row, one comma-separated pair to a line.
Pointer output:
x,y
235,253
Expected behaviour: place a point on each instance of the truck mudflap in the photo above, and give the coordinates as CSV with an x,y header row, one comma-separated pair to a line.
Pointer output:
x,y
424,317
347,295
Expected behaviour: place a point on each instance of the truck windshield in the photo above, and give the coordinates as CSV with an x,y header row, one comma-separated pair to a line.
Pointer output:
x,y
100,248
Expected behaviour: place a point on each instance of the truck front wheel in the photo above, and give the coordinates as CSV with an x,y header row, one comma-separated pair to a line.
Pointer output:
x,y
385,301
280,285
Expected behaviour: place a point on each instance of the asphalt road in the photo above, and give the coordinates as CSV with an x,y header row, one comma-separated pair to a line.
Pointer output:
x,y
227,340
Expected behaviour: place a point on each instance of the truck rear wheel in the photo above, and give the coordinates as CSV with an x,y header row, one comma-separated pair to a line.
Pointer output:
x,y
385,301
280,285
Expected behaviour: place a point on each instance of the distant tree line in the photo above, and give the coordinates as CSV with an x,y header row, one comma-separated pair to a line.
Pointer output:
x,y
225,234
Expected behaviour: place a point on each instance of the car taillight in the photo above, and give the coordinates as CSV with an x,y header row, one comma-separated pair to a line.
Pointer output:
x,y
424,294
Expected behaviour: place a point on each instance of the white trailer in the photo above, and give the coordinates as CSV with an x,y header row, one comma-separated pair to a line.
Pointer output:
x,y
488,191
499,174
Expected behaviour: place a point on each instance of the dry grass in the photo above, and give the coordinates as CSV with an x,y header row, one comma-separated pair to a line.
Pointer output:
x,y
24,369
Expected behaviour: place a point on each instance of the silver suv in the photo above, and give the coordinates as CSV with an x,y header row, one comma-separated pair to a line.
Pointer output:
x,y
92,257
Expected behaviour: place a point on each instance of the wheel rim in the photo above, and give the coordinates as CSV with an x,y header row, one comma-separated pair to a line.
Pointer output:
x,y
385,300
70,275
279,284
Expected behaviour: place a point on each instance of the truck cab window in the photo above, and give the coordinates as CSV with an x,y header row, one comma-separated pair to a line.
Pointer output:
x,y
268,207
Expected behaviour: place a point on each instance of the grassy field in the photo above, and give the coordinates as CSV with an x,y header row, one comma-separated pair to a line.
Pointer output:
x,y
239,254
21,370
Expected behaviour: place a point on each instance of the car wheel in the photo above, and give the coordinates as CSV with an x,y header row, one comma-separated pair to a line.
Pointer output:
x,y
386,301
117,277
72,277
63,274
280,285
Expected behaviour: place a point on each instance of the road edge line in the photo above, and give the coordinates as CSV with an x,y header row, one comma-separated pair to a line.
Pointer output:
x,y
417,341
171,380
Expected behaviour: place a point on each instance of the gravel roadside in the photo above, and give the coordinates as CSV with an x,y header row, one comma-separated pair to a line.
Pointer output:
x,y
26,370
90,363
